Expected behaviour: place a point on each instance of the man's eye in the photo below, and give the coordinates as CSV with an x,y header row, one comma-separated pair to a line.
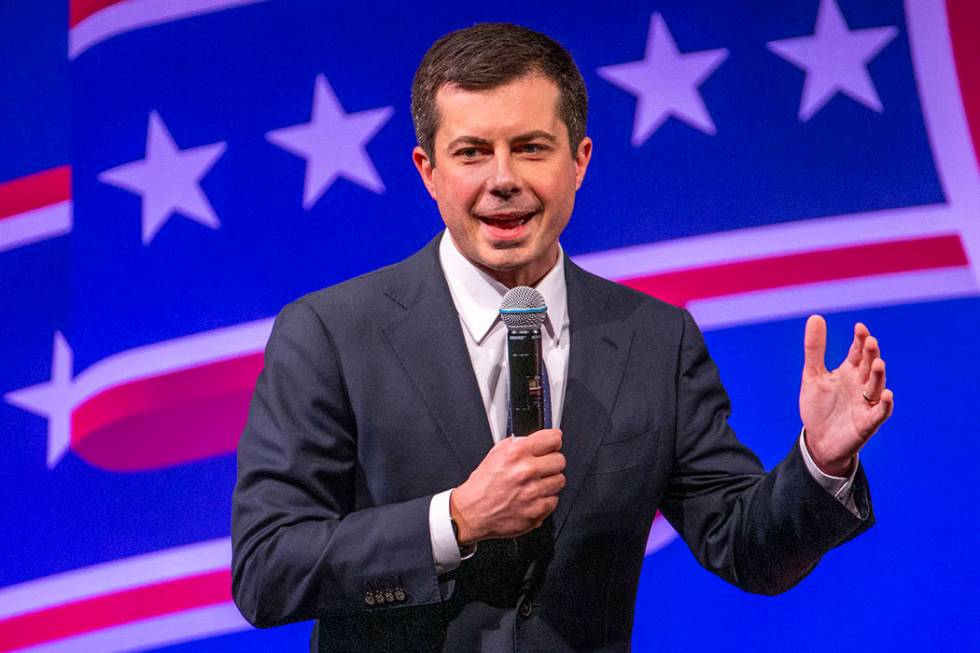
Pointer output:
x,y
467,152
532,148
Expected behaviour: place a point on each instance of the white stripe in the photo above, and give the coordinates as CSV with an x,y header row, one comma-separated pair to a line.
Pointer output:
x,y
945,116
129,15
210,621
171,356
771,240
34,225
833,296
114,576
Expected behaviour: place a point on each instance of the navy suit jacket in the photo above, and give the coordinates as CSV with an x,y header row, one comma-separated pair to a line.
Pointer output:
x,y
368,406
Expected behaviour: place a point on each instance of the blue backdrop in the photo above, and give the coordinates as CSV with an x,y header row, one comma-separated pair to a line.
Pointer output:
x,y
151,222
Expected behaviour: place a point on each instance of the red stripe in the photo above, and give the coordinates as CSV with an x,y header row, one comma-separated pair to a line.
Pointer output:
x,y
169,419
810,267
964,28
34,191
79,10
115,609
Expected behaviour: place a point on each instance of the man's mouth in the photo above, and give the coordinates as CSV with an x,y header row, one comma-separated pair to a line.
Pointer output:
x,y
507,221
510,227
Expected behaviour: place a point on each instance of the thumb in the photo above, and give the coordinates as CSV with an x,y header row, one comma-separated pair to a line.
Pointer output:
x,y
814,346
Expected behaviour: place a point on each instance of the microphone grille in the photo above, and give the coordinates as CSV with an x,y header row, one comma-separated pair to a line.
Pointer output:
x,y
523,307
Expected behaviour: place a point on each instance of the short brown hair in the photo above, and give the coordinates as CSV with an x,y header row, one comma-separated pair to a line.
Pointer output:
x,y
488,55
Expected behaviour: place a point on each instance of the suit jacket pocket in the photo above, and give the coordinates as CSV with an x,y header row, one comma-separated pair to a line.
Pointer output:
x,y
621,454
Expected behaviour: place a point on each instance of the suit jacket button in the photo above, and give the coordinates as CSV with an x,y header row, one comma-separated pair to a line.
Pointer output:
x,y
369,597
389,596
399,594
525,609
379,597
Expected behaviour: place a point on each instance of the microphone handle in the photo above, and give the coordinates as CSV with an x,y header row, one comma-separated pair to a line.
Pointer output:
x,y
526,392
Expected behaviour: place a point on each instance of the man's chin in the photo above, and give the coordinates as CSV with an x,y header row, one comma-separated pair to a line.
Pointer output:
x,y
506,257
518,264
503,265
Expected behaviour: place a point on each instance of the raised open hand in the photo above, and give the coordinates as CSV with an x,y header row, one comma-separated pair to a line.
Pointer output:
x,y
841,409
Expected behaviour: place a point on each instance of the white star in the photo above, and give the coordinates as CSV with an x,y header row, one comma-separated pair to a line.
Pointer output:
x,y
332,143
168,179
52,399
835,60
666,83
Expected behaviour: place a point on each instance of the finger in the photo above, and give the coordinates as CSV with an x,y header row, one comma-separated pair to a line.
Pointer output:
x,y
543,442
552,485
545,506
876,383
549,464
855,353
814,346
885,408
869,355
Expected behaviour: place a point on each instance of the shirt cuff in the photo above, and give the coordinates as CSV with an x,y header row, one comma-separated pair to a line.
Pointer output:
x,y
839,487
445,548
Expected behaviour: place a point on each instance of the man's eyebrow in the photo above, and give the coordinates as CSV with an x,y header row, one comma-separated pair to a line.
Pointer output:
x,y
534,135
466,140
521,138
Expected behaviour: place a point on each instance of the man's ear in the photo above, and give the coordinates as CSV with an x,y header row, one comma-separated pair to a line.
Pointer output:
x,y
582,157
426,168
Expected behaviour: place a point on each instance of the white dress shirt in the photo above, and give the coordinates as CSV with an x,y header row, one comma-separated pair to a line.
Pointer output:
x,y
477,298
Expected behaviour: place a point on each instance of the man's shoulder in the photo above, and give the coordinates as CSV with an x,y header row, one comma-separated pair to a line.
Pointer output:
x,y
370,282
376,294
626,302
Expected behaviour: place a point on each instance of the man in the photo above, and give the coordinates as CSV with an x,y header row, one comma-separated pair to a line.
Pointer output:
x,y
378,492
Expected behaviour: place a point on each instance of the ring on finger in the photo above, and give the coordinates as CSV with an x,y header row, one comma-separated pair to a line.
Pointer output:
x,y
871,402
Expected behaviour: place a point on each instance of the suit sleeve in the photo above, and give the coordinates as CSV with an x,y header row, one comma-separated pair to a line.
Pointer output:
x,y
300,548
762,532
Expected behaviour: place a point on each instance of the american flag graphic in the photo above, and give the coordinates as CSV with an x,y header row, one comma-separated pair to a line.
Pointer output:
x,y
175,171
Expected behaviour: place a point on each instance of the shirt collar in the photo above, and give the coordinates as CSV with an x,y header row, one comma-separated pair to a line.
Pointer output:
x,y
477,295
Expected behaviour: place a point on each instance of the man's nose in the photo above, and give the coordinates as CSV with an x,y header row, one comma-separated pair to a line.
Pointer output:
x,y
504,182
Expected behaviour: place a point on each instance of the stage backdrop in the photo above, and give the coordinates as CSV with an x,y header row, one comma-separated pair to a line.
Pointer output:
x,y
172,172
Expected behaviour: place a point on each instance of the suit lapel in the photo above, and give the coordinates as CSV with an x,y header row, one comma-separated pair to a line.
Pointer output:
x,y
428,341
598,354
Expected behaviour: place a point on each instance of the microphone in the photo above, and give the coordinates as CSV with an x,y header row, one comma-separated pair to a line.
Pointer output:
x,y
523,311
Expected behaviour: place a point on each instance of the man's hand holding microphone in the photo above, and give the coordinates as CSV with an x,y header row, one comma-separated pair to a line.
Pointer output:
x,y
513,489
516,486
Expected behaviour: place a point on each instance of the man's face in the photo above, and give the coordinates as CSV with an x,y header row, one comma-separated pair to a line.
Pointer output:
x,y
504,177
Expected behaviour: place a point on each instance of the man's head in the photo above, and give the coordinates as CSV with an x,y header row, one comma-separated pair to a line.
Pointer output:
x,y
489,55
502,110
